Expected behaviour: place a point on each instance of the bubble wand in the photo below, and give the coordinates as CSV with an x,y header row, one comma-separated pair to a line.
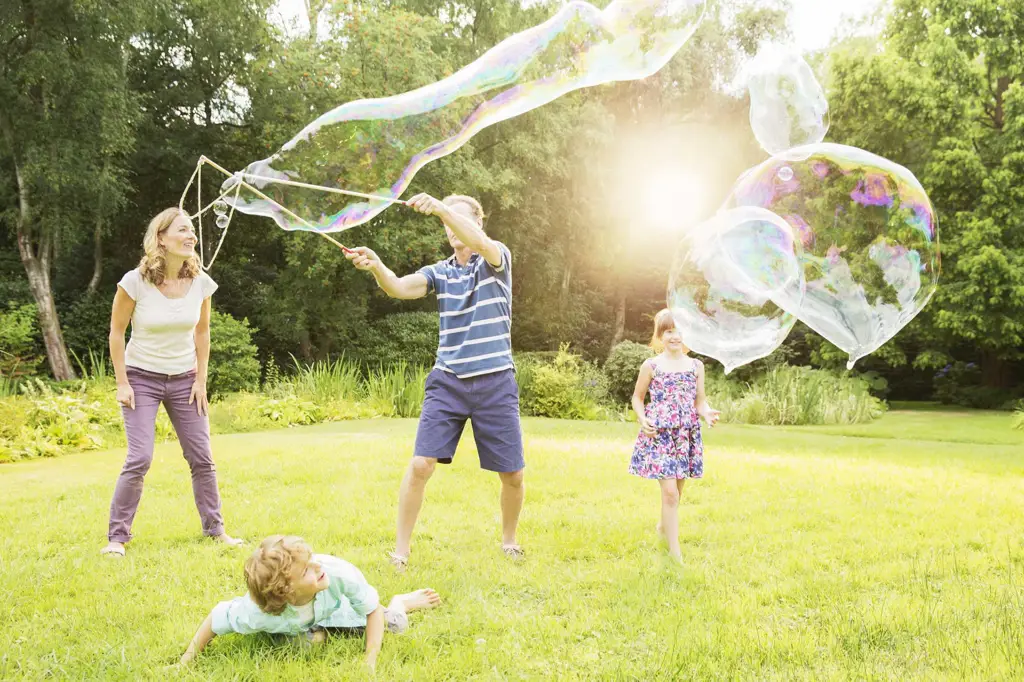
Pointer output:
x,y
197,177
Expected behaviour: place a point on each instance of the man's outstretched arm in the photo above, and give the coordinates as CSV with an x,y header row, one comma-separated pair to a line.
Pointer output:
x,y
405,288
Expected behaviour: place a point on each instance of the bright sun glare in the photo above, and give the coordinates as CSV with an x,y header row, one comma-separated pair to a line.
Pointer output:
x,y
659,189
672,200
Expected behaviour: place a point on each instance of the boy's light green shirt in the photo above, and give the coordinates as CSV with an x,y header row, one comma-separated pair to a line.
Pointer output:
x,y
346,603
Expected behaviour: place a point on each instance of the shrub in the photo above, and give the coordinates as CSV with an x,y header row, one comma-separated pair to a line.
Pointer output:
x,y
409,337
396,390
233,363
243,412
14,416
272,374
623,366
877,383
50,420
566,388
8,385
291,410
93,365
720,389
325,380
800,395
1018,416
19,333
86,324
959,383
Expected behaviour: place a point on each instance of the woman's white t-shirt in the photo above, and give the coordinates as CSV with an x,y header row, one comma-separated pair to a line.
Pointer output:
x,y
163,329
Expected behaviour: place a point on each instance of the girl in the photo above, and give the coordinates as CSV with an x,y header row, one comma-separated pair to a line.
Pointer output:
x,y
669,448
167,301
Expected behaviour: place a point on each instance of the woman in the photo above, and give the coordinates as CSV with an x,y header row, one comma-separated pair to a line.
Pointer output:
x,y
167,300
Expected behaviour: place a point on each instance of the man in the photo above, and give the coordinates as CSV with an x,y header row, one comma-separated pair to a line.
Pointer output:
x,y
473,376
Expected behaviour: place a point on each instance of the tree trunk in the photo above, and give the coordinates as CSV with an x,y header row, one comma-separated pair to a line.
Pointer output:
x,y
566,280
620,322
97,257
37,268
53,338
313,10
994,371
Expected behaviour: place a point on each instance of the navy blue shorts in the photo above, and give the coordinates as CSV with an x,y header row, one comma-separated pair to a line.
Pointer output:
x,y
490,401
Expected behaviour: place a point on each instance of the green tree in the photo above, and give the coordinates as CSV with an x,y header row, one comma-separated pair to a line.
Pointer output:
x,y
944,98
65,127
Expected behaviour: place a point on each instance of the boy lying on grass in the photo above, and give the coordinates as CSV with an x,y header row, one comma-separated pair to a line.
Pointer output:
x,y
295,592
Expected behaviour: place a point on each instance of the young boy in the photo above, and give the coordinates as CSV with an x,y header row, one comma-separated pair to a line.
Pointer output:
x,y
295,592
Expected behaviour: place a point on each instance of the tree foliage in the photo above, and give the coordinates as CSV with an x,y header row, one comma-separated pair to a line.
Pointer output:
x,y
105,108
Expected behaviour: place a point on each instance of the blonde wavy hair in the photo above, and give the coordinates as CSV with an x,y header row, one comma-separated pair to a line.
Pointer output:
x,y
268,571
153,264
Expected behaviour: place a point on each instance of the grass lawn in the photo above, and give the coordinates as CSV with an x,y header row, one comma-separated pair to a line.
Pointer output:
x,y
887,551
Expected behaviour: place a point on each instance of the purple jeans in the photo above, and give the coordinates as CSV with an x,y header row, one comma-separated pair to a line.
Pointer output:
x,y
193,434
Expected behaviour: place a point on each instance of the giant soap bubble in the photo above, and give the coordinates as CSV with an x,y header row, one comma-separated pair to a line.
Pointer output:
x,y
376,146
787,104
736,283
868,230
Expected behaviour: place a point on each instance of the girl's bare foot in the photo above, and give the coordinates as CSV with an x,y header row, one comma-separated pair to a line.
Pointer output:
x,y
420,599
228,540
113,549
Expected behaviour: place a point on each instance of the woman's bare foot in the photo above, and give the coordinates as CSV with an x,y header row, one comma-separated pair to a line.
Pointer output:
x,y
228,540
420,599
113,549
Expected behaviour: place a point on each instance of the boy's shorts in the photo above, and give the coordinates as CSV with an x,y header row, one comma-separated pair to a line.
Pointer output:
x,y
490,401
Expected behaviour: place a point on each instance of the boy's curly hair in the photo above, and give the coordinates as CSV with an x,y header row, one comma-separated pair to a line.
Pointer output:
x,y
268,571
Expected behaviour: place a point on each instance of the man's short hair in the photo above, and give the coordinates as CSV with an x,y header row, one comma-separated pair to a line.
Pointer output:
x,y
477,209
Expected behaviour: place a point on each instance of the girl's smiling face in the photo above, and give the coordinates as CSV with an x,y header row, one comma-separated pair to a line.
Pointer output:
x,y
672,340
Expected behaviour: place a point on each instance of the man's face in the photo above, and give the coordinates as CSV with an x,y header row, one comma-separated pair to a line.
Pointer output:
x,y
462,209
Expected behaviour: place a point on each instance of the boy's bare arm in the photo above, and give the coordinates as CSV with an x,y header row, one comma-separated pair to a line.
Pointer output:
x,y
374,635
199,642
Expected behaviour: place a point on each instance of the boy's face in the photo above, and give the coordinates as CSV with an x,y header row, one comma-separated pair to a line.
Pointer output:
x,y
307,580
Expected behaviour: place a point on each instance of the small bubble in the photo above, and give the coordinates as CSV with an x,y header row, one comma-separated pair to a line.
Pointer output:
x,y
220,207
785,174
222,221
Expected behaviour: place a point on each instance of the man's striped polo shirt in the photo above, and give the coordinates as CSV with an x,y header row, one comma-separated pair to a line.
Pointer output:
x,y
475,304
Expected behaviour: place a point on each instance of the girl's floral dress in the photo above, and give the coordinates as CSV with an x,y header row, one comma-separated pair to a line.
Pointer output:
x,y
676,449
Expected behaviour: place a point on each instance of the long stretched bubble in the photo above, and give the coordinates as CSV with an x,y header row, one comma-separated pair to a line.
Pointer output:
x,y
376,146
